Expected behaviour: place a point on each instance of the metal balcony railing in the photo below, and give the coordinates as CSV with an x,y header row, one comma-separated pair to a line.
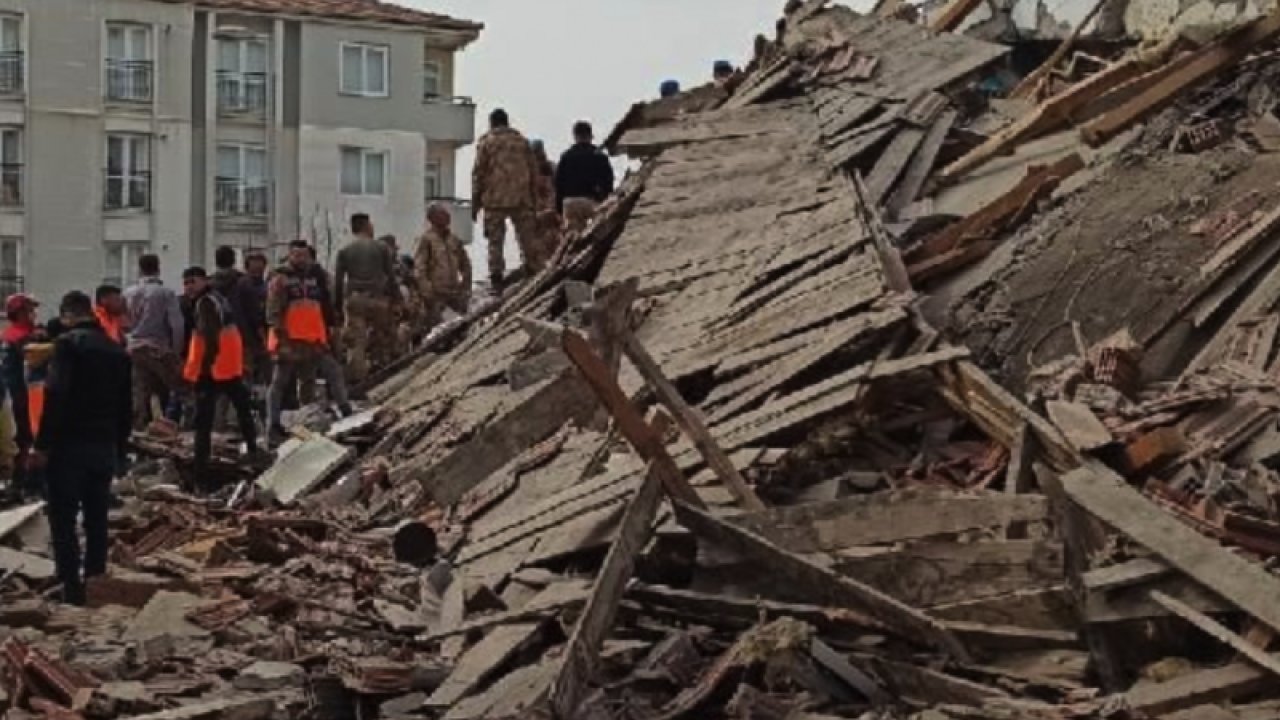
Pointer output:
x,y
234,197
10,185
130,81
13,65
127,192
243,93
11,284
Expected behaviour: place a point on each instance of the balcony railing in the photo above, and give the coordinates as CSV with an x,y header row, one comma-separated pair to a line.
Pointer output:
x,y
127,192
243,93
10,185
12,72
130,81
234,197
11,284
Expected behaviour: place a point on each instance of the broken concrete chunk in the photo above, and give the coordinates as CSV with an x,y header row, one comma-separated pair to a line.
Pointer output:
x,y
301,470
31,567
265,675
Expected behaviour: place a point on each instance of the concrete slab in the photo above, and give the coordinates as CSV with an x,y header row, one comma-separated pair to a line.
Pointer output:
x,y
26,565
301,470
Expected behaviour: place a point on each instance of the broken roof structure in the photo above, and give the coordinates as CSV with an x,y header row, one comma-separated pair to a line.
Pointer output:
x,y
736,453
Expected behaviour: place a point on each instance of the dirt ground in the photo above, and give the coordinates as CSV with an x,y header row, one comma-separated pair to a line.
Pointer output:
x,y
1119,253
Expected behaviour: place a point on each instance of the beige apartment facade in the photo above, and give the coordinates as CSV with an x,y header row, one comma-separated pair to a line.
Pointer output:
x,y
173,127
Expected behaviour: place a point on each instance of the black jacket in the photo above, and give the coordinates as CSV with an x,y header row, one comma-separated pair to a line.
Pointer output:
x,y
583,171
250,317
87,395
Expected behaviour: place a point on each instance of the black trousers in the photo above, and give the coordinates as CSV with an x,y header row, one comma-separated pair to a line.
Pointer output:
x,y
79,484
207,394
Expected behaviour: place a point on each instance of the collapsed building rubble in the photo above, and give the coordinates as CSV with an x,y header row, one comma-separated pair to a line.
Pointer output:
x,y
721,460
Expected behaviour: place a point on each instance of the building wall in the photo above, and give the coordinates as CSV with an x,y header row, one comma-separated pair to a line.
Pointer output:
x,y
325,210
324,104
65,121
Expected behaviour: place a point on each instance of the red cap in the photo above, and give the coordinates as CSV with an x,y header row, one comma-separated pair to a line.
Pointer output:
x,y
18,302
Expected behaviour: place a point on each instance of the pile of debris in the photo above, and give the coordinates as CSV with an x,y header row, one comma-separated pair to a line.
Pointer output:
x,y
719,459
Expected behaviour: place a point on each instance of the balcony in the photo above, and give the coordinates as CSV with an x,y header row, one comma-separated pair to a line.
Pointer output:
x,y
242,200
13,65
130,81
243,94
10,185
11,284
449,119
127,192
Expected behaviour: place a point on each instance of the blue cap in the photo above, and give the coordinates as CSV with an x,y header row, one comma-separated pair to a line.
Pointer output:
x,y
722,66
669,88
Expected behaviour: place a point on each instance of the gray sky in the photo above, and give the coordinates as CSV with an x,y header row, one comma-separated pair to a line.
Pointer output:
x,y
552,62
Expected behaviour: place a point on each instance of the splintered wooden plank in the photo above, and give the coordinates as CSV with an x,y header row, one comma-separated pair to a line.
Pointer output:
x,y
892,163
1201,687
1076,421
479,664
922,163
532,421
1219,632
954,13
1245,584
889,517
827,587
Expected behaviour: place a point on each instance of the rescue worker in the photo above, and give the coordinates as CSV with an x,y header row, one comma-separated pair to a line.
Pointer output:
x,y
255,269
547,215
584,178
411,308
215,367
669,88
502,183
443,268
300,315
722,72
21,311
157,333
237,289
82,442
368,298
109,309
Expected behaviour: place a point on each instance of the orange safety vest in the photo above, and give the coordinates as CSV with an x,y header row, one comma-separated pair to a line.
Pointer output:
x,y
229,365
109,324
303,319
35,405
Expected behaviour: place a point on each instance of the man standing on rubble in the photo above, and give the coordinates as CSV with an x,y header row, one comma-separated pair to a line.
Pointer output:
x,y
157,331
368,297
584,178
83,440
108,307
442,267
503,188
300,313
215,368
20,309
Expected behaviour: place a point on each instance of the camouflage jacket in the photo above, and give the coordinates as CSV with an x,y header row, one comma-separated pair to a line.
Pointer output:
x,y
505,172
442,266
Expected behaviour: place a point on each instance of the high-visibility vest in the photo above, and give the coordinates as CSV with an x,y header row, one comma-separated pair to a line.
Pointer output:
x,y
36,358
303,319
229,365
35,404
110,325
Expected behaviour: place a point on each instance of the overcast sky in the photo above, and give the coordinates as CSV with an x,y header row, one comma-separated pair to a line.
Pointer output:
x,y
552,62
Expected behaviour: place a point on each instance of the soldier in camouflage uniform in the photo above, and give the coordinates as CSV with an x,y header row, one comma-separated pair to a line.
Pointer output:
x,y
442,269
503,186
369,300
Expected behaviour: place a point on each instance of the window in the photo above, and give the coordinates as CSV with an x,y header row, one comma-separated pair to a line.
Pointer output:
x,y
364,69
128,172
120,265
12,58
10,266
242,75
10,167
241,187
432,73
129,67
364,172
433,186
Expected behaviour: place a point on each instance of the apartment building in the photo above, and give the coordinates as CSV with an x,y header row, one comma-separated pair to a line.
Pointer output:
x,y
175,126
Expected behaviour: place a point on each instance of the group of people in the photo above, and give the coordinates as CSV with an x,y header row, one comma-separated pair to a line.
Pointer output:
x,y
513,182
77,386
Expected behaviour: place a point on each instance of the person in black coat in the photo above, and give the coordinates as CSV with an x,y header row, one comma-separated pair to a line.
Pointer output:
x,y
584,178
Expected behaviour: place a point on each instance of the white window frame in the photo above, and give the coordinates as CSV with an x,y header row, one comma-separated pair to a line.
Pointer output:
x,y
16,272
365,154
15,18
240,76
127,272
128,173
365,50
134,52
244,183
430,69
434,172
12,165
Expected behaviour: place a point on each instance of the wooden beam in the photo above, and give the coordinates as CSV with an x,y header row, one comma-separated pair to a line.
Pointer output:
x,y
1245,584
827,587
953,14
1215,685
1219,632
1019,478
1031,83
690,421
1208,61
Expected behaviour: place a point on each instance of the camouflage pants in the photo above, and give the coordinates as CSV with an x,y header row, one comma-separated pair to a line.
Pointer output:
x,y
495,231
578,212
156,373
370,334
